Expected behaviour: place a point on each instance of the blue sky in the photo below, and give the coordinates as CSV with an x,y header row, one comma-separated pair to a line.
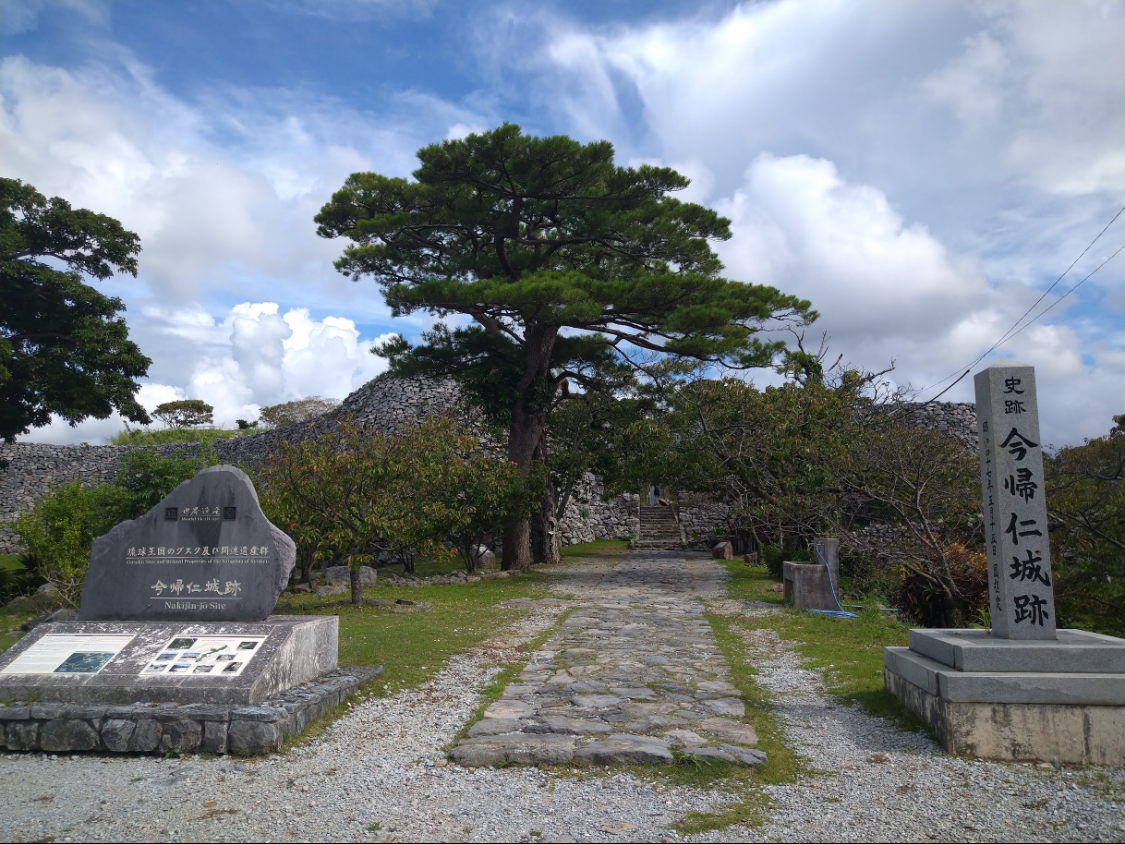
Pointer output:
x,y
921,171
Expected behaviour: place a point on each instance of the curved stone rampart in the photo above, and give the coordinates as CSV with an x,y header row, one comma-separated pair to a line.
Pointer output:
x,y
28,470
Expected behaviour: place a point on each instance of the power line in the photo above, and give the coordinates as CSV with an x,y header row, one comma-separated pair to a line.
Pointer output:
x,y
1048,308
1012,332
1057,280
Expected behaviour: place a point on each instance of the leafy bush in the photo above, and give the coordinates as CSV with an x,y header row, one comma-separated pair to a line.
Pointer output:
x,y
17,576
367,497
925,486
146,477
923,599
173,436
1086,504
60,528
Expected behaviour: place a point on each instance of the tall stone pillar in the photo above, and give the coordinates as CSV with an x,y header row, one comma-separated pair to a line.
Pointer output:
x,y
1020,592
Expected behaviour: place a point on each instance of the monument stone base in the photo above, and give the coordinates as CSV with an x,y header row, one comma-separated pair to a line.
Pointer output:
x,y
176,686
1059,701
807,586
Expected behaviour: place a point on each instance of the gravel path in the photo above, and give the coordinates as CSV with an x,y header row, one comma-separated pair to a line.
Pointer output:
x,y
877,783
380,774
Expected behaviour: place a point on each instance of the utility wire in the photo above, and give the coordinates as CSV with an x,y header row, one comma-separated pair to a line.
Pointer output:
x,y
1045,310
1057,280
1013,331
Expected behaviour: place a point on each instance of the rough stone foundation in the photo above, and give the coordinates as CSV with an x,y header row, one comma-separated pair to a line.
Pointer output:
x,y
170,728
1066,734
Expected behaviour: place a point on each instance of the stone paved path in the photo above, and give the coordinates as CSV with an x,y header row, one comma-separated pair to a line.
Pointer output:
x,y
634,672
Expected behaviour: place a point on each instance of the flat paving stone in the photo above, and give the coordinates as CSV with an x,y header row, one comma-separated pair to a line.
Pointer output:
x,y
724,706
595,701
633,670
517,748
730,730
625,750
495,727
509,709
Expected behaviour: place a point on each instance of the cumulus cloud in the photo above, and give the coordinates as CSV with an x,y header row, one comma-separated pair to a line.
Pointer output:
x,y
888,290
222,189
251,358
920,174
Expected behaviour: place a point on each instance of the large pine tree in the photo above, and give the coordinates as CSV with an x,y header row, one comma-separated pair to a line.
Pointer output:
x,y
566,263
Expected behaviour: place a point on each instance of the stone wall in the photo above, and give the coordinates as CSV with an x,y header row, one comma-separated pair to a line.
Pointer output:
x,y
27,470
958,419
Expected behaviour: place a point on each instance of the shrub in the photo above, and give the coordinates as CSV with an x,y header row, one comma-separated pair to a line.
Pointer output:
x,y
17,576
1086,503
923,599
60,528
146,477
362,497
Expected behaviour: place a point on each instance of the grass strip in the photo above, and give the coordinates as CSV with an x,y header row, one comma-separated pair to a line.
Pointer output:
x,y
413,646
849,651
783,767
507,674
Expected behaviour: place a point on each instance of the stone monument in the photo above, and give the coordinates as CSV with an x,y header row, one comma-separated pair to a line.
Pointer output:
x,y
1022,690
175,648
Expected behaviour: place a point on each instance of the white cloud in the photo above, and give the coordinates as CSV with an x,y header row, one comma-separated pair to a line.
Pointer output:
x,y
800,227
919,171
222,190
249,359
889,290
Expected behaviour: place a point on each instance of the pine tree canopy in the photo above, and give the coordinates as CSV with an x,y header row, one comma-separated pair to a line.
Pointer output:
x,y
532,235
569,265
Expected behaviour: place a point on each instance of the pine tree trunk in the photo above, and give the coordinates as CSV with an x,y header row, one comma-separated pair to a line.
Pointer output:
x,y
524,437
544,542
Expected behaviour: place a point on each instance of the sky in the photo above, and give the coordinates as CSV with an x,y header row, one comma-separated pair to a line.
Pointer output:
x,y
922,172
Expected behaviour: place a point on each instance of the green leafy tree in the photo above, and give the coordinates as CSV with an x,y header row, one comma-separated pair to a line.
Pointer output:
x,y
63,348
185,413
1086,504
565,261
357,496
146,477
774,455
302,410
925,486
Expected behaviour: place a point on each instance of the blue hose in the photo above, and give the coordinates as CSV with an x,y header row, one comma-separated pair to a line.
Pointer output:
x,y
839,612
834,613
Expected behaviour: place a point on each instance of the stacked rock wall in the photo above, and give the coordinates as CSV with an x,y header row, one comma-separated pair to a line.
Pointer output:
x,y
28,470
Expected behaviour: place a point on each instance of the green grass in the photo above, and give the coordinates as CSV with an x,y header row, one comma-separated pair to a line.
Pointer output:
x,y
849,650
20,610
507,675
166,436
10,562
784,766
414,646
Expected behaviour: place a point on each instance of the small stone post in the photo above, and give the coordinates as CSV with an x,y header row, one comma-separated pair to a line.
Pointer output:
x,y
1020,593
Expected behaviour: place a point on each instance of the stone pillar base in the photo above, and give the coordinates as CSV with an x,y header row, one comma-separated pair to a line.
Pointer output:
x,y
1061,701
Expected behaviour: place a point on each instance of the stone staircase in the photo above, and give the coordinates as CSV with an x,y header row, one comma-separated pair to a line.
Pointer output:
x,y
659,530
